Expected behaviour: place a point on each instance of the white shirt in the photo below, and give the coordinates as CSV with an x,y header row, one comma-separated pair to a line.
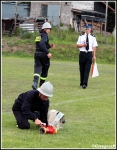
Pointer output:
x,y
92,41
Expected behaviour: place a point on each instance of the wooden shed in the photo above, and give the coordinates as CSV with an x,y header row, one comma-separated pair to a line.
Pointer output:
x,y
95,17
83,17
8,25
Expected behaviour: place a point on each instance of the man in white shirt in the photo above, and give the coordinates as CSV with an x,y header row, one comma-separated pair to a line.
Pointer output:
x,y
87,45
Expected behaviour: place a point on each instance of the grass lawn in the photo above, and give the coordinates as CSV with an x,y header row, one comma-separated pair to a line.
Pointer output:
x,y
89,113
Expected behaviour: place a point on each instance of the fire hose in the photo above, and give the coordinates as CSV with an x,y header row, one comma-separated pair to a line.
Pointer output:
x,y
48,130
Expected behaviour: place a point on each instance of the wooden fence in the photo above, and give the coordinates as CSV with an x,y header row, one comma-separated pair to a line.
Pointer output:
x,y
29,25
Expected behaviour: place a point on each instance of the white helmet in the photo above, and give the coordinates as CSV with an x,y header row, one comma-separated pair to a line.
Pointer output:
x,y
46,25
46,89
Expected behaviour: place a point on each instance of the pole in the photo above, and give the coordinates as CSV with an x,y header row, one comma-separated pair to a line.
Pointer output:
x,y
106,21
59,20
15,18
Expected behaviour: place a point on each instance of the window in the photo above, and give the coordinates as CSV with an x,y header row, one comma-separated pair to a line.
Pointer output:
x,y
44,10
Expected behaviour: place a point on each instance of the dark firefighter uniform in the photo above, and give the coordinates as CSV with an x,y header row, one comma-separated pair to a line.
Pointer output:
x,y
85,57
29,105
42,62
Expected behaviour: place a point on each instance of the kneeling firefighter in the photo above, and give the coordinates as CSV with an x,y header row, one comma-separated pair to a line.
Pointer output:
x,y
33,105
42,56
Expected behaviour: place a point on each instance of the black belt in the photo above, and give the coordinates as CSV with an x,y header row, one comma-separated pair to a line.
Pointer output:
x,y
38,51
86,51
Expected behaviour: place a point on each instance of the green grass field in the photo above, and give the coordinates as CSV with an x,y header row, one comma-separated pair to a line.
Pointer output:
x,y
89,113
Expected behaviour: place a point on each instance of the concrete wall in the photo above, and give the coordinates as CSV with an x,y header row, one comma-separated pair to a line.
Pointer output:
x,y
66,12
52,11
36,7
88,5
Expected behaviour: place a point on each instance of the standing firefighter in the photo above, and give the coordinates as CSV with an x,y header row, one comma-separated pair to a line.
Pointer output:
x,y
42,56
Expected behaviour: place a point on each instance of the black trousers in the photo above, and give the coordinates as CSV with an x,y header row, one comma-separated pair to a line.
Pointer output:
x,y
85,61
22,121
42,64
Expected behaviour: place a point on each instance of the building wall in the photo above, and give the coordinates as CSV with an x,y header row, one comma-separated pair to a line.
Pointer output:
x,y
88,5
65,8
66,12
52,11
36,8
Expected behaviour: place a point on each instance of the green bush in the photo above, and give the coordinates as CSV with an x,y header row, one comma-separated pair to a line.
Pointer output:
x,y
65,45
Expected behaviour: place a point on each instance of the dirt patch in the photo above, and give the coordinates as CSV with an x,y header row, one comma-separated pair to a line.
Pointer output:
x,y
14,49
29,49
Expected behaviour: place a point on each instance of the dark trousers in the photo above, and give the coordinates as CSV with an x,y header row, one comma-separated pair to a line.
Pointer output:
x,y
41,66
85,61
22,121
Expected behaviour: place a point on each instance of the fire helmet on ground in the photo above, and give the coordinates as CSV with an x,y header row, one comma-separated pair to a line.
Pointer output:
x,y
46,89
46,25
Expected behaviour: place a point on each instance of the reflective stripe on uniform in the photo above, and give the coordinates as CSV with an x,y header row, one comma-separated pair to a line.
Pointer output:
x,y
42,78
37,74
38,38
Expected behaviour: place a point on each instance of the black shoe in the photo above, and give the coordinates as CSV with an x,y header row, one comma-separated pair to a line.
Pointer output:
x,y
84,86
34,86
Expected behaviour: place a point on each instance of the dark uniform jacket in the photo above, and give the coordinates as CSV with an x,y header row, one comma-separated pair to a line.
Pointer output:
x,y
42,45
29,102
